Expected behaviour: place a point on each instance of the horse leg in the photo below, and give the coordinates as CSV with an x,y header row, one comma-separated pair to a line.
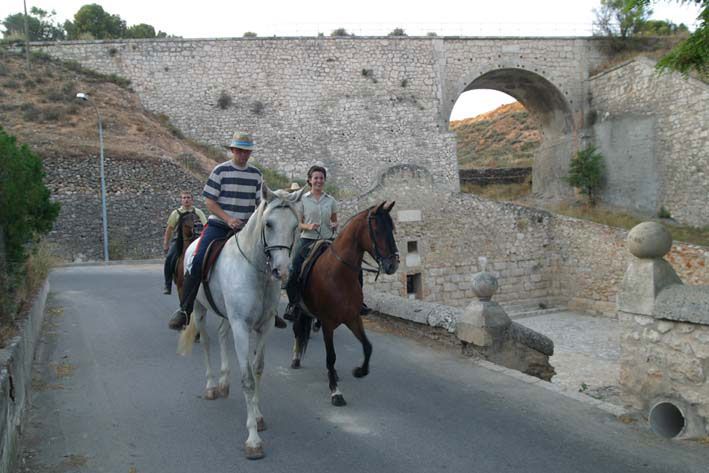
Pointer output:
x,y
253,448
357,328
199,312
301,330
223,330
297,352
335,394
258,371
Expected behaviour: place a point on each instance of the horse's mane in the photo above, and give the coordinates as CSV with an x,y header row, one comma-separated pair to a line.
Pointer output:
x,y
358,214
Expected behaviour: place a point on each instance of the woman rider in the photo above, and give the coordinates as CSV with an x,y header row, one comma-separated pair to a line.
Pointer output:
x,y
318,221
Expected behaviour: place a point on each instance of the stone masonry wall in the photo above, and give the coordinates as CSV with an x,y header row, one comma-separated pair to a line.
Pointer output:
x,y
451,231
358,105
139,197
590,261
664,359
674,115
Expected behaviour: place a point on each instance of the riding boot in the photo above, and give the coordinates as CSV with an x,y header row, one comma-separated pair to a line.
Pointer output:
x,y
291,312
279,322
190,288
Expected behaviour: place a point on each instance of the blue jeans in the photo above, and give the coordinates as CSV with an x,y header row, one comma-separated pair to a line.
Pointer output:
x,y
212,231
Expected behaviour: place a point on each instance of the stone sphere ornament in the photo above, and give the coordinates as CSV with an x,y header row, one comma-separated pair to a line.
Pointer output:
x,y
649,240
484,285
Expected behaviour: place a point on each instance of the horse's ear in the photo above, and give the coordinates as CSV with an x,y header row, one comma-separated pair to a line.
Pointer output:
x,y
379,207
297,195
388,209
266,193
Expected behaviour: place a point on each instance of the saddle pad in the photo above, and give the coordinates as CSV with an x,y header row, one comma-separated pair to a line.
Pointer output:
x,y
210,257
315,252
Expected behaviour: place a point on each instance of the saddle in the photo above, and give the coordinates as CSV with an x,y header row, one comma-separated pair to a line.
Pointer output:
x,y
210,257
315,252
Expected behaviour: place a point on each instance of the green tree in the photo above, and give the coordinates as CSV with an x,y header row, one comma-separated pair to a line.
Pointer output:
x,y
617,22
92,21
141,30
340,32
397,32
662,28
25,209
250,34
40,23
586,172
691,54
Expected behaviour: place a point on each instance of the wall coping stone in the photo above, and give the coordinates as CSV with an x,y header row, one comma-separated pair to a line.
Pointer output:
x,y
16,379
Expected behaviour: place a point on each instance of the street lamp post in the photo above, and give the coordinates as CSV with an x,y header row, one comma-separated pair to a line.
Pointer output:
x,y
85,97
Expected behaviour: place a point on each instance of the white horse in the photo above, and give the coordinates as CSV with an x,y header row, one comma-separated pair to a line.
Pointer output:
x,y
245,286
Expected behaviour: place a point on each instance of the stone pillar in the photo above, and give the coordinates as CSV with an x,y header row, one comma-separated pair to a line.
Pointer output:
x,y
487,331
665,339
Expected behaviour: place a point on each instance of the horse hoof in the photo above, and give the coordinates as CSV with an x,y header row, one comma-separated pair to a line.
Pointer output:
x,y
223,390
338,400
260,424
254,453
360,372
211,394
295,364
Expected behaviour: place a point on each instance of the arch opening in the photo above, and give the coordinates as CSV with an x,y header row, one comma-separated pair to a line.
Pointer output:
x,y
547,116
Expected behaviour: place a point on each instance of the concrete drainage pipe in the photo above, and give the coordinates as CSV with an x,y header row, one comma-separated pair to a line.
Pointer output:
x,y
667,420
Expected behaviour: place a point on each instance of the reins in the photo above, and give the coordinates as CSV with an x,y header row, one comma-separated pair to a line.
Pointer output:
x,y
377,254
266,247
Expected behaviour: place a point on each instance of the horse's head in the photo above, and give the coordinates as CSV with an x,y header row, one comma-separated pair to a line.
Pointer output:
x,y
278,229
381,236
186,226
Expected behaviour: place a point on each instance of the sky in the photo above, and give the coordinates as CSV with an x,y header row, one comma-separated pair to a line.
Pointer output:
x,y
229,18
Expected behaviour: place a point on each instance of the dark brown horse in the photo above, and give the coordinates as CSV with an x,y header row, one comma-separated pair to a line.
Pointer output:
x,y
333,294
186,234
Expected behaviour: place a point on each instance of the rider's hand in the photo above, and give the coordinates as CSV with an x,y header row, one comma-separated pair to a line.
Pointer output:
x,y
165,248
333,226
314,226
234,223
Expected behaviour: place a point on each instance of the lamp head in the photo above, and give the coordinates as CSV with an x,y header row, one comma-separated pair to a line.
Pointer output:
x,y
82,96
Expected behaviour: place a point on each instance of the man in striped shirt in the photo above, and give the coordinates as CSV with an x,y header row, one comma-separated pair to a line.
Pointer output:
x,y
232,194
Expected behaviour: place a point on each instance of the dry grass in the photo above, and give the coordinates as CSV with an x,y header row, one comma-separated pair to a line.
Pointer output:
x,y
505,192
614,218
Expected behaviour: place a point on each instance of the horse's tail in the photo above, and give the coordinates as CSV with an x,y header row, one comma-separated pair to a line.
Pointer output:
x,y
184,344
301,329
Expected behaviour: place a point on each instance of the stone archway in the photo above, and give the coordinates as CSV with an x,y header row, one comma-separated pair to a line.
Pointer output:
x,y
551,110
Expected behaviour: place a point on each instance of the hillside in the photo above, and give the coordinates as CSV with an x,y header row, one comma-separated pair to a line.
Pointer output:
x,y
505,137
40,108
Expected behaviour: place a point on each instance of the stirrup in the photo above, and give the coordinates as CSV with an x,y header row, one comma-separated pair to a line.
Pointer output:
x,y
291,312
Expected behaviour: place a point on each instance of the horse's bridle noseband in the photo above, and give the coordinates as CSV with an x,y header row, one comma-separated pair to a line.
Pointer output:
x,y
266,247
378,257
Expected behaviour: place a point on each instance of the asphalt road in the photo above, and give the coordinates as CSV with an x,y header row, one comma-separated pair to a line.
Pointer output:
x,y
111,395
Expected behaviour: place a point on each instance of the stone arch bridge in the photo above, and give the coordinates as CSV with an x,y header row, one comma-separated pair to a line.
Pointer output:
x,y
358,105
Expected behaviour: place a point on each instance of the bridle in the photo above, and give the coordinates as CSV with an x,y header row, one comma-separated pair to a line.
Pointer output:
x,y
267,249
378,257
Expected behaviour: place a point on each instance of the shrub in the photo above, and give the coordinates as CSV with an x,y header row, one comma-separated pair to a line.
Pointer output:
x,y
664,213
25,211
30,113
257,107
586,172
397,32
224,100
340,32
250,34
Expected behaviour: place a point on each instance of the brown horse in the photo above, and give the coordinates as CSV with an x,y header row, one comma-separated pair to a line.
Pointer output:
x,y
333,294
186,228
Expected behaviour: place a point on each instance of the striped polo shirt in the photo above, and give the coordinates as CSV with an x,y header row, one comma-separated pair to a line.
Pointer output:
x,y
237,191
